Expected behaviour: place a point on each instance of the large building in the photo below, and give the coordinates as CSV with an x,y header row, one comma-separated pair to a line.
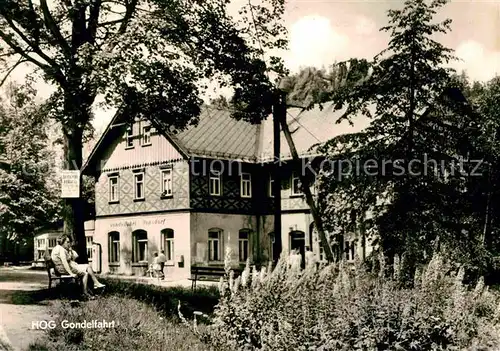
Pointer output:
x,y
195,193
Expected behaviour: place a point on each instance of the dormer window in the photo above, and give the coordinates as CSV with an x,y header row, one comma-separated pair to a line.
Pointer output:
x,y
129,138
146,135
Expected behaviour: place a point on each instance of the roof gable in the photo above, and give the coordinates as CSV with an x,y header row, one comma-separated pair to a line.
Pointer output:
x,y
217,135
108,141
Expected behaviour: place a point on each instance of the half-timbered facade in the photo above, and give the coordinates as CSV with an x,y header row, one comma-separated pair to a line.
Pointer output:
x,y
195,193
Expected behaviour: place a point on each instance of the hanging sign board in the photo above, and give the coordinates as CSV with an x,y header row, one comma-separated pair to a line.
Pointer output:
x,y
70,184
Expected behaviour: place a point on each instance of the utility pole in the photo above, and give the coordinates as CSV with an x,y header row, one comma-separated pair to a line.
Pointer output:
x,y
318,223
279,114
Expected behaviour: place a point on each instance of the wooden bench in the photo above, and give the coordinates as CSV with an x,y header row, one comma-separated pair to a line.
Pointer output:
x,y
208,273
55,275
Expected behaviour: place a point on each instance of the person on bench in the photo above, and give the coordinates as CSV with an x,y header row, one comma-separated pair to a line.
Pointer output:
x,y
64,261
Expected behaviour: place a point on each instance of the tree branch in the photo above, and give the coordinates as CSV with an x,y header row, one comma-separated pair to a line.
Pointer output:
x,y
36,49
7,54
20,61
52,27
20,51
95,9
36,32
128,16
53,71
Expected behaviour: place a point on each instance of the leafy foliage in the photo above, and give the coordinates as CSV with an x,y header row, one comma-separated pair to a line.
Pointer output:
x,y
336,307
409,177
312,85
28,187
147,58
220,102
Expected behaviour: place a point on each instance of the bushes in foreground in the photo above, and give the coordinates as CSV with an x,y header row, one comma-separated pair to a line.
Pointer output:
x,y
166,300
339,308
137,327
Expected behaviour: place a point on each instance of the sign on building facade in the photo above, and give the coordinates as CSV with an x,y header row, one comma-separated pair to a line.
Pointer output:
x,y
70,184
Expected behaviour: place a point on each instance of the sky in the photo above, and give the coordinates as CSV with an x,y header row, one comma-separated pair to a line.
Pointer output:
x,y
322,32
352,30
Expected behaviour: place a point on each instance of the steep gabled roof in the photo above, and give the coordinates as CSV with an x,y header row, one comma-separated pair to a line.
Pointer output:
x,y
114,130
217,135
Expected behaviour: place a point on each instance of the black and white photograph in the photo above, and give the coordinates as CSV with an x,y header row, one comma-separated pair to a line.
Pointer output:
x,y
266,175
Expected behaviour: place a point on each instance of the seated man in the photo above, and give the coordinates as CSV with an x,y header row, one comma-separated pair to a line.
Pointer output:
x,y
64,261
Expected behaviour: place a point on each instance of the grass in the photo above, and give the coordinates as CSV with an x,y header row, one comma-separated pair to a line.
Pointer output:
x,y
139,326
166,300
146,317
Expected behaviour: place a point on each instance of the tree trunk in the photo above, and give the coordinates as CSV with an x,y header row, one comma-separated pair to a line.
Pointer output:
x,y
279,114
307,191
487,215
362,231
74,208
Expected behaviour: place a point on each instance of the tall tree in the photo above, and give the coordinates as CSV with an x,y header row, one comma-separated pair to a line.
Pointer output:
x,y
146,57
484,186
313,86
416,114
28,187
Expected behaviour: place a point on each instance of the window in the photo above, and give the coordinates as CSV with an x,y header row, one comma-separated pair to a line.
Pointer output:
x,y
215,182
41,243
129,138
296,184
114,247
113,189
246,185
214,245
52,243
139,186
168,244
89,241
140,246
243,245
349,249
146,135
271,186
40,255
166,182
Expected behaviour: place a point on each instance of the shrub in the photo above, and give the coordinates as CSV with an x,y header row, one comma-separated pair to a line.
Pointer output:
x,y
166,300
340,307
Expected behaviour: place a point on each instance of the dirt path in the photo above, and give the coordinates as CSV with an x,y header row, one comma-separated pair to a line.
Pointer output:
x,y
20,306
